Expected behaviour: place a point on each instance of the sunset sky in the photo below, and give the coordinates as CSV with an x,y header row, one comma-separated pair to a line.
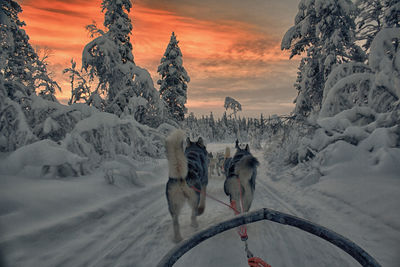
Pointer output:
x,y
230,47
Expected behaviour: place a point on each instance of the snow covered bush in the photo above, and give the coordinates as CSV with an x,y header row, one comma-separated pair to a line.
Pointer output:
x,y
104,136
285,141
81,130
14,130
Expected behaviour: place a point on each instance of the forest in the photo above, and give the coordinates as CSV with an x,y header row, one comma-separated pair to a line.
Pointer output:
x,y
347,109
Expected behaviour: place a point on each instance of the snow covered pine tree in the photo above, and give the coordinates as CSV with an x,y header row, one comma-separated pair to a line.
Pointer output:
x,y
325,30
174,79
20,63
109,58
232,104
22,76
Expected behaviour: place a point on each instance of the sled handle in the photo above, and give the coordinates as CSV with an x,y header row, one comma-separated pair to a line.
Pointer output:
x,y
341,242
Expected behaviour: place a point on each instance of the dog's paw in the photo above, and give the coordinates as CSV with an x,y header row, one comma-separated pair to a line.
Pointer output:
x,y
177,239
200,210
194,224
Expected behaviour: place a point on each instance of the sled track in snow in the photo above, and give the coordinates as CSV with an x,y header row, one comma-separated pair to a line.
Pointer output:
x,y
262,185
149,218
104,233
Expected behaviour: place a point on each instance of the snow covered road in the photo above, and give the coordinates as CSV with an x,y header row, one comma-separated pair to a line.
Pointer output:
x,y
96,224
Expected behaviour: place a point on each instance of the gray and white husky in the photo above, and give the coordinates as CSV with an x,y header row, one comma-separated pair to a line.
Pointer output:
x,y
215,163
240,182
187,169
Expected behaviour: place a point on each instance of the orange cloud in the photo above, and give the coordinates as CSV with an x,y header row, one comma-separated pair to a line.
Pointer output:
x,y
213,104
212,49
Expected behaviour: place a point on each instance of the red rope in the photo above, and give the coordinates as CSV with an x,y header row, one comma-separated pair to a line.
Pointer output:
x,y
242,231
257,262
214,198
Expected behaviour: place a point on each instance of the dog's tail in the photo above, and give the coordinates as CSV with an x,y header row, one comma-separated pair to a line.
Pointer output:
x,y
177,162
246,167
227,152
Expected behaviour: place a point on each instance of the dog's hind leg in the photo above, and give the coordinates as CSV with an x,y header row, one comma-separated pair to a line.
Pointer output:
x,y
247,196
177,233
194,199
202,203
247,199
176,201
232,189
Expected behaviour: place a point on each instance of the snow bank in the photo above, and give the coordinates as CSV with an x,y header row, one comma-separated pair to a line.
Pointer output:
x,y
369,181
46,155
352,190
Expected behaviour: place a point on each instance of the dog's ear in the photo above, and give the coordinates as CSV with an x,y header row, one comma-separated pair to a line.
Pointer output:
x,y
188,142
247,148
237,144
200,142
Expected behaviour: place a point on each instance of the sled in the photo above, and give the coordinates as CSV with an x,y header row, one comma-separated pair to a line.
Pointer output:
x,y
356,252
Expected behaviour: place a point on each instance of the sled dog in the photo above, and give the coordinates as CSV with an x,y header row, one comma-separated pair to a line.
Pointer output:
x,y
227,160
242,167
214,164
220,163
187,169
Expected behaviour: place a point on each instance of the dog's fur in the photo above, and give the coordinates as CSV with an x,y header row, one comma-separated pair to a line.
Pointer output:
x,y
220,163
242,166
211,164
187,169
227,160
215,163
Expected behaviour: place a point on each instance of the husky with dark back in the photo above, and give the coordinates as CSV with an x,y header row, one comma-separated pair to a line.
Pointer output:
x,y
187,169
243,167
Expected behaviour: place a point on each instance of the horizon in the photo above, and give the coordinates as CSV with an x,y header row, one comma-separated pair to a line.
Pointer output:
x,y
229,48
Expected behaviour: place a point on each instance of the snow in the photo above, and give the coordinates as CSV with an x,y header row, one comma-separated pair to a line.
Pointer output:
x,y
384,59
346,92
86,221
81,187
41,153
97,120
287,38
50,125
341,71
